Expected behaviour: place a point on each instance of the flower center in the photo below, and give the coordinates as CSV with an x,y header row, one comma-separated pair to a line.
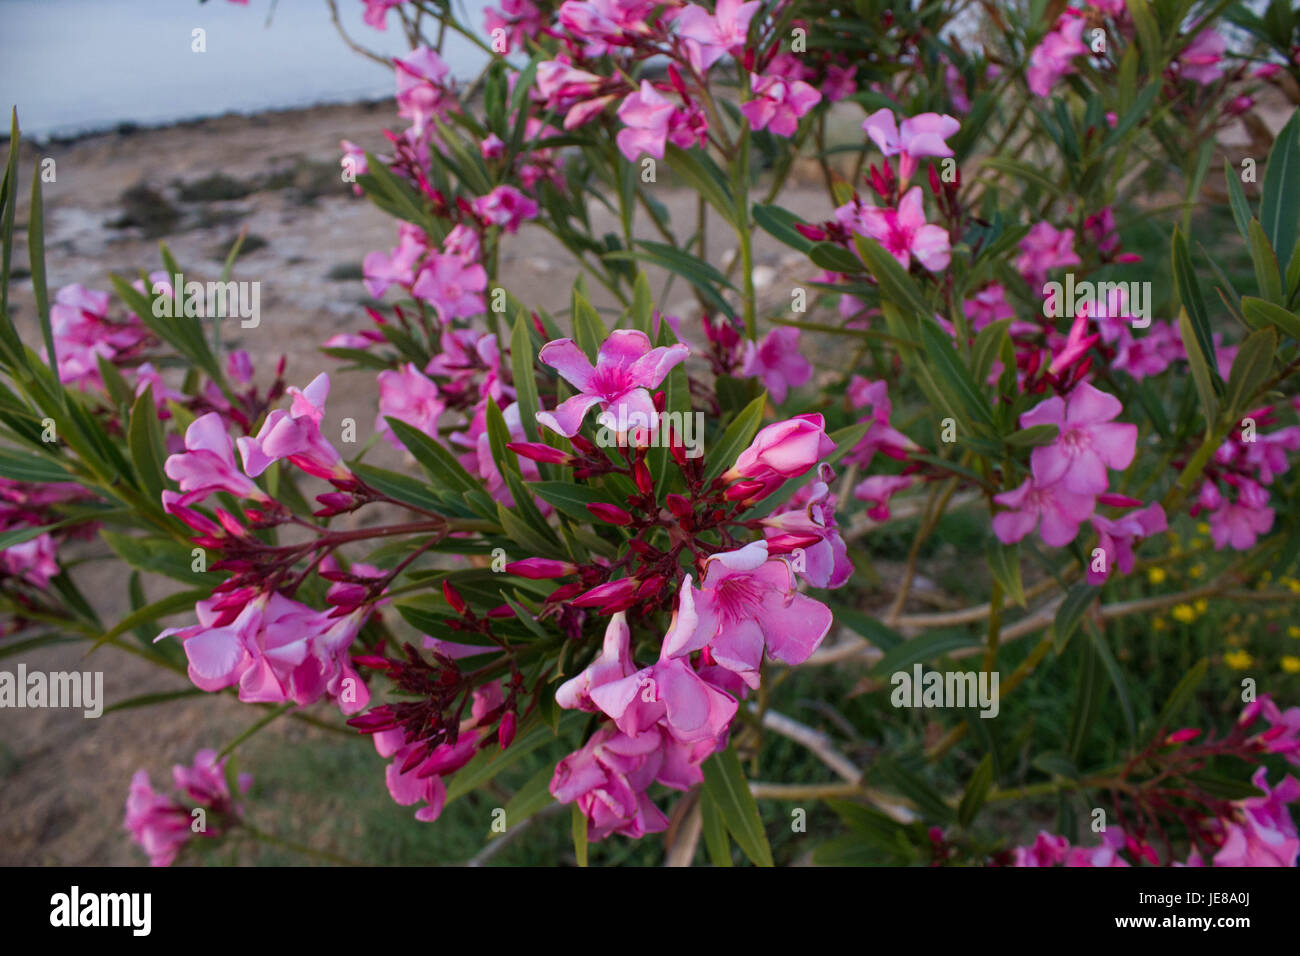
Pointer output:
x,y
738,599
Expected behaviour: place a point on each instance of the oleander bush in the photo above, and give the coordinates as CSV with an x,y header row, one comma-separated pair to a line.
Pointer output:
x,y
968,539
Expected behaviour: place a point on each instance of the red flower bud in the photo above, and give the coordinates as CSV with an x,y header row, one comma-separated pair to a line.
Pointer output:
x,y
506,732
607,596
610,514
644,481
540,568
679,506
536,451
453,598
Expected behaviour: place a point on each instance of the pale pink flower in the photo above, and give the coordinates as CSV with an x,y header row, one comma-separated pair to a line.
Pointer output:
x,y
1052,58
810,514
33,561
645,115
877,490
505,206
1045,248
747,603
922,135
1202,59
295,434
409,396
1115,537
778,104
709,37
1059,510
208,462
626,369
905,233
1088,443
452,286
778,362
778,452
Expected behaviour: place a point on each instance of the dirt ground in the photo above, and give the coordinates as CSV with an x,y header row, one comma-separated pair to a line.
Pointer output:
x,y
63,778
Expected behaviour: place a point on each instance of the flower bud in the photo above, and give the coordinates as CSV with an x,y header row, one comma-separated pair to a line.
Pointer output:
x,y
453,598
536,451
506,732
610,514
540,568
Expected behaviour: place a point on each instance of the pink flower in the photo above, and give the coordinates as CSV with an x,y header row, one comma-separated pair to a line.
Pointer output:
x,y
1048,849
398,267
1045,248
609,776
780,451
295,434
778,103
1115,537
1263,833
905,233
411,397
376,14
33,561
1051,59
668,694
452,286
810,514
873,397
778,362
559,83
506,207
162,824
988,306
421,90
878,489
1088,442
605,24
1061,512
839,83
208,462
920,135
626,368
1239,523
707,37
645,115
747,603
1202,59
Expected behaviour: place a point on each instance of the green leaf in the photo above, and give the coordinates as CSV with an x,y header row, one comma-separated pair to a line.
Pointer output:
x,y
144,437
172,604
1200,368
525,381
440,464
588,329
1148,35
490,762
927,799
716,843
148,700
895,284
940,352
1116,675
1262,257
530,799
1237,200
835,258
36,263
704,177
1004,562
1033,436
735,439
977,790
1250,369
1261,314
924,647
1077,601
1194,306
579,827
157,555
1024,172
1181,695
781,224
725,783
1279,206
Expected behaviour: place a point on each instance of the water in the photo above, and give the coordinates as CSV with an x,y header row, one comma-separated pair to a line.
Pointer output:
x,y
75,66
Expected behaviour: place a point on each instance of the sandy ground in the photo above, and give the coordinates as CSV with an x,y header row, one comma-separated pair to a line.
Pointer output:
x,y
63,779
